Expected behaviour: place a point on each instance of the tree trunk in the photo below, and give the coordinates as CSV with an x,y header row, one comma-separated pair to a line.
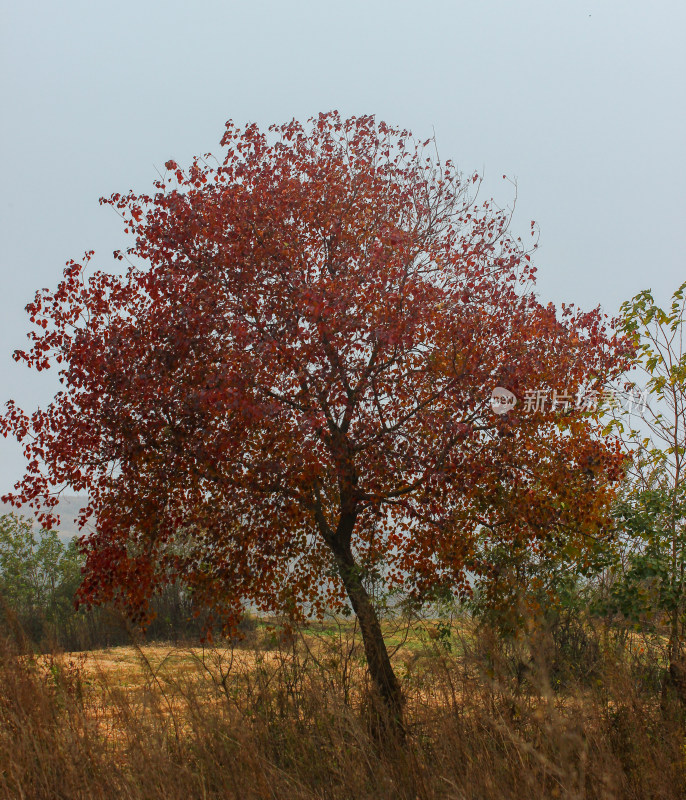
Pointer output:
x,y
384,681
386,688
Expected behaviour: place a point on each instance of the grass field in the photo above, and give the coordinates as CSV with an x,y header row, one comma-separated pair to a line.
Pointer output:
x,y
291,716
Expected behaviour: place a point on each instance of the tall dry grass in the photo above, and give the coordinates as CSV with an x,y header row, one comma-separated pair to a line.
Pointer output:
x,y
290,718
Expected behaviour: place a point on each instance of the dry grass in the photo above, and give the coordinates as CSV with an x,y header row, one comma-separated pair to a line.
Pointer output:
x,y
290,718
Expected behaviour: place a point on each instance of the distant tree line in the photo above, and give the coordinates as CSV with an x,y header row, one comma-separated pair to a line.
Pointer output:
x,y
39,577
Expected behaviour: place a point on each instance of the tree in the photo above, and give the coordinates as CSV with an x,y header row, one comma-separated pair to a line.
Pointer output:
x,y
652,509
39,576
292,378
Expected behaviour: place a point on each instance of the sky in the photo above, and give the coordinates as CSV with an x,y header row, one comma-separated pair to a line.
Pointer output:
x,y
580,102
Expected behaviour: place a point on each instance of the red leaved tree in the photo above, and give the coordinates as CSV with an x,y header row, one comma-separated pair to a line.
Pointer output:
x,y
292,381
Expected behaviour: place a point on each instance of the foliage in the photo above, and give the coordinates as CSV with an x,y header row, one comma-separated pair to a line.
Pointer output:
x,y
650,585
538,583
650,588
39,576
292,378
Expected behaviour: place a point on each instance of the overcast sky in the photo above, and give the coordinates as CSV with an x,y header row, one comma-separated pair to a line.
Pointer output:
x,y
580,101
